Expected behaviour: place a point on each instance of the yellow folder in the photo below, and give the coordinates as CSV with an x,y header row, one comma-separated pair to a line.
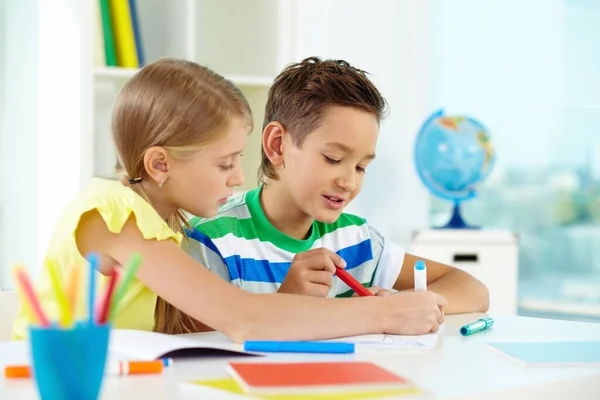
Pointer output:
x,y
229,385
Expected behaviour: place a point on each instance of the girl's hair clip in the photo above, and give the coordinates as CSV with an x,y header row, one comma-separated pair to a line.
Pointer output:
x,y
133,181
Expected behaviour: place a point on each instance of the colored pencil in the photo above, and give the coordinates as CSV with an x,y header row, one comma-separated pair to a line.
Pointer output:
x,y
93,260
130,270
66,318
353,283
108,296
72,287
31,300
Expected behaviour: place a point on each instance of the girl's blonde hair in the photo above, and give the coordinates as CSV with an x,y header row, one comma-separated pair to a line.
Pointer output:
x,y
180,106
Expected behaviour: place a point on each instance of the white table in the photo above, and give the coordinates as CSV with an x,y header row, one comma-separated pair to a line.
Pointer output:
x,y
459,368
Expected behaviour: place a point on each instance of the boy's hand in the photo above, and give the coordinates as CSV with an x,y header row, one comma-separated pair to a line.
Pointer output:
x,y
414,313
311,273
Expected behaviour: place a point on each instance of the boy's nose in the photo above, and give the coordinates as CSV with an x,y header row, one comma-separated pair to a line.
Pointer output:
x,y
347,182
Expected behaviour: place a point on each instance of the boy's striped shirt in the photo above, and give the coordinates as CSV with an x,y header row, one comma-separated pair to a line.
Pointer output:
x,y
242,246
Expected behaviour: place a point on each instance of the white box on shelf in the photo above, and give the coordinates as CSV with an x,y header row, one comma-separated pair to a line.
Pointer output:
x,y
489,255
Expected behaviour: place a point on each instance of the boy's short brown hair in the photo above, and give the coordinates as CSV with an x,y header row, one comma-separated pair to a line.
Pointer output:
x,y
303,91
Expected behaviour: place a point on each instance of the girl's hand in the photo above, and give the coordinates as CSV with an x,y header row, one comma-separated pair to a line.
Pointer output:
x,y
413,313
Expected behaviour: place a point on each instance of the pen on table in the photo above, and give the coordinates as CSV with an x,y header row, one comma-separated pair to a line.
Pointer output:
x,y
351,282
477,326
420,275
298,347
112,368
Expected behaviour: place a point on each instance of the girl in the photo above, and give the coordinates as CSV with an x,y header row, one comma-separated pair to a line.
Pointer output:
x,y
179,131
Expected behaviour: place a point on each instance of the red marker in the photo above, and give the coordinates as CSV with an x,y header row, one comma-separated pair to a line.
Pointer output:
x,y
353,283
104,314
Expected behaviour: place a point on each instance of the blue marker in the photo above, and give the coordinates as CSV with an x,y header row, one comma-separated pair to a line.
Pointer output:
x,y
298,347
477,326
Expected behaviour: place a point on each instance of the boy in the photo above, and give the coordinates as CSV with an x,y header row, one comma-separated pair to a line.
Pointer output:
x,y
320,132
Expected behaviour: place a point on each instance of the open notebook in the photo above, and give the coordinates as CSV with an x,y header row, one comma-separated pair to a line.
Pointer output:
x,y
128,344
140,346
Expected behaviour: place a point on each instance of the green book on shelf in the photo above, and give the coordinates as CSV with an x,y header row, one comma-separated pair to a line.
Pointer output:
x,y
109,43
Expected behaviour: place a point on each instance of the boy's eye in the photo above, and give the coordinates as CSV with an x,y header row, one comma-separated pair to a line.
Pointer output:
x,y
226,167
361,169
331,160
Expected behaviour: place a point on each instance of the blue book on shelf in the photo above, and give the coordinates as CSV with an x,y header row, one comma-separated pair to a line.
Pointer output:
x,y
550,353
135,23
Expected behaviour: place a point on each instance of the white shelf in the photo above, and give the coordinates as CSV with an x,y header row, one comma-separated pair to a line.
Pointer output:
x,y
127,73
115,72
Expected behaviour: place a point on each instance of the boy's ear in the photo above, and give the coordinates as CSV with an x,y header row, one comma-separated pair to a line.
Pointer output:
x,y
272,142
156,163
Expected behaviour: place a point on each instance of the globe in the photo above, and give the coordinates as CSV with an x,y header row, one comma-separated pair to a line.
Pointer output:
x,y
453,154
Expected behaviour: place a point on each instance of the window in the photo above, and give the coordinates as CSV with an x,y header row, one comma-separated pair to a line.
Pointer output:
x,y
530,71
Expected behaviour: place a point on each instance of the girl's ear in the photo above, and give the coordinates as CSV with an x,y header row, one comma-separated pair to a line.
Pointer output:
x,y
272,141
156,164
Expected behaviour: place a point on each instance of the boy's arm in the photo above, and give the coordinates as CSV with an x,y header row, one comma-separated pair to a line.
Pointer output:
x,y
463,292
389,258
208,258
203,250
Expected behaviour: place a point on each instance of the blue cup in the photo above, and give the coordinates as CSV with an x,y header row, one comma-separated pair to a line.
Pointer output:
x,y
69,363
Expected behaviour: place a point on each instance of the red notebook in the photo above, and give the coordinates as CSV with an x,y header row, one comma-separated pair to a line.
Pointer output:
x,y
319,377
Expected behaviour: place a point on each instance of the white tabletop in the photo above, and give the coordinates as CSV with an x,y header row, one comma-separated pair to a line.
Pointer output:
x,y
459,367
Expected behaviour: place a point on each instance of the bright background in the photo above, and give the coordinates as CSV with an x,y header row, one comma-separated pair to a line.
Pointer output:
x,y
529,70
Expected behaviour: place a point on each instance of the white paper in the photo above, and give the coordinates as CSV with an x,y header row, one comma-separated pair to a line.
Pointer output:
x,y
391,342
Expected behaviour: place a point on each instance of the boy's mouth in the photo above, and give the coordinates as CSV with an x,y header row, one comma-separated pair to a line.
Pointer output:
x,y
333,202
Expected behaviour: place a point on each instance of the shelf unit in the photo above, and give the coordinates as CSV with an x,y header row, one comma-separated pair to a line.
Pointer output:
x,y
247,42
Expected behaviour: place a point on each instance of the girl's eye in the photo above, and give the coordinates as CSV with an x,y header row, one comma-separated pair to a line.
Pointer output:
x,y
331,160
226,167
361,169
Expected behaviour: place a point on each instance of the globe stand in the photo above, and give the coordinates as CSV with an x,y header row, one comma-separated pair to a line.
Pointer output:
x,y
456,221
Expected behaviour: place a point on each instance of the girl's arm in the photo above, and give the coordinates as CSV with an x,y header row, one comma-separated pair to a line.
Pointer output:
x,y
179,279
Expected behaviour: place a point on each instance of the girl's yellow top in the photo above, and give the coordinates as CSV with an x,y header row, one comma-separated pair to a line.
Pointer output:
x,y
115,203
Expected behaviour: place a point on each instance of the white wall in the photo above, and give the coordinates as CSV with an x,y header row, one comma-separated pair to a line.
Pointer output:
x,y
389,39
502,61
43,159
18,147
